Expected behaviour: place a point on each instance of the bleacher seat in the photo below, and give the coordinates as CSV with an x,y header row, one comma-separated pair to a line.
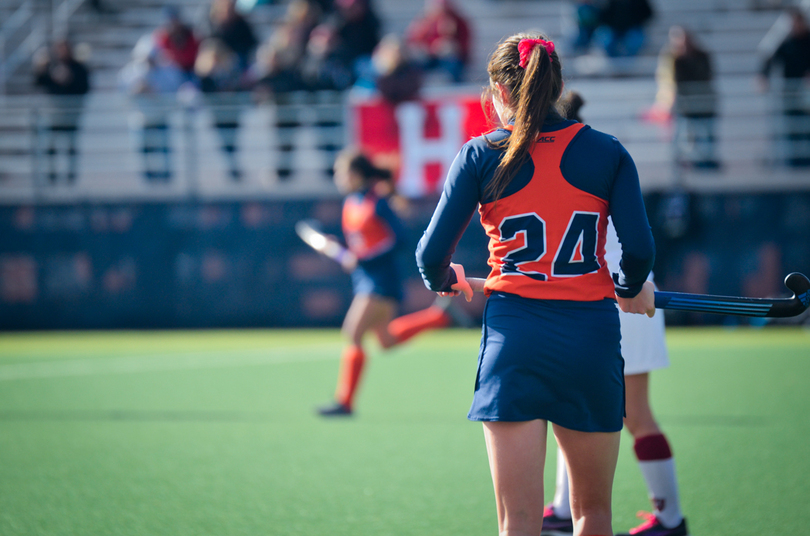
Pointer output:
x,y
616,94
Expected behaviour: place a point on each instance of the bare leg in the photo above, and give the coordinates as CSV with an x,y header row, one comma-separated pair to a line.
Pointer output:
x,y
652,451
591,459
367,312
517,453
640,421
405,327
384,335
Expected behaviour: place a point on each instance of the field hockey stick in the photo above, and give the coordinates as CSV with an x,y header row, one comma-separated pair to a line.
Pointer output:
x,y
740,306
725,305
308,232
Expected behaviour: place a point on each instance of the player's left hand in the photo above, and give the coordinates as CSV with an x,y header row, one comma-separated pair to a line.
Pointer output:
x,y
642,303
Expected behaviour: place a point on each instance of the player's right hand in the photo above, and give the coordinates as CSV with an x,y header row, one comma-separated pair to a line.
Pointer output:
x,y
462,285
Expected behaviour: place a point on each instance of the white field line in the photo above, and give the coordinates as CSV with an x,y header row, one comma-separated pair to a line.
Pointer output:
x,y
173,361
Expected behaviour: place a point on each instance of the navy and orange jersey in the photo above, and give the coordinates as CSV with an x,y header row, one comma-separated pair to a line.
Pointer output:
x,y
570,223
547,231
370,226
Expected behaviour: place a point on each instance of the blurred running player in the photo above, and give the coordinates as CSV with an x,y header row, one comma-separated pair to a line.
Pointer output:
x,y
374,237
544,187
644,350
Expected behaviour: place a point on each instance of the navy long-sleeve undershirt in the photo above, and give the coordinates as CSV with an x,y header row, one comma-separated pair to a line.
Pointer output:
x,y
593,162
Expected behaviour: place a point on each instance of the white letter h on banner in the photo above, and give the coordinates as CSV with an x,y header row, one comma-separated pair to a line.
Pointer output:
x,y
417,151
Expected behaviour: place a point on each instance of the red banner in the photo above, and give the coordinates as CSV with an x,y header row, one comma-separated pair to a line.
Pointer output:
x,y
419,139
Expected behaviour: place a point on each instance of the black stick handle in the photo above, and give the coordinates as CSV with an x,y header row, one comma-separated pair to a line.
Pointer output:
x,y
740,306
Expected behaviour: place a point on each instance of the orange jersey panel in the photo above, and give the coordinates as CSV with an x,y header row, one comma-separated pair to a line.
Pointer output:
x,y
367,234
547,241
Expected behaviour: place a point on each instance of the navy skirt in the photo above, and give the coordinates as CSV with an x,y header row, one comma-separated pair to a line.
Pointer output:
x,y
378,276
550,359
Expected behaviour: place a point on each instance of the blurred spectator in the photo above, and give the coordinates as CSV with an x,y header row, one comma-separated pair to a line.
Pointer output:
x,y
326,6
587,14
695,105
101,8
685,93
228,26
278,59
67,80
793,53
441,39
302,17
222,83
177,40
290,61
327,64
152,82
622,26
393,73
758,5
278,71
274,75
662,109
275,72
358,29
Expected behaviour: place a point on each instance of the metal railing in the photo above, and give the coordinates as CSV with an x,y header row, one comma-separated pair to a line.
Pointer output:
x,y
74,149
110,147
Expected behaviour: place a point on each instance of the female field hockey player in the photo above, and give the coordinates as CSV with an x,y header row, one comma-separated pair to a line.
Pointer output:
x,y
644,349
544,188
374,237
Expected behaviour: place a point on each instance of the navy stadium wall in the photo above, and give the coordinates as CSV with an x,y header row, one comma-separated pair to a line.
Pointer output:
x,y
240,264
182,265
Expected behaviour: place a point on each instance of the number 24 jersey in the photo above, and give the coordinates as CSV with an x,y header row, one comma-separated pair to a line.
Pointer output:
x,y
547,241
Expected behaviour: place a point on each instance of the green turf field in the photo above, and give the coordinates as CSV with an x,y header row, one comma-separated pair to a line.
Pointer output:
x,y
213,433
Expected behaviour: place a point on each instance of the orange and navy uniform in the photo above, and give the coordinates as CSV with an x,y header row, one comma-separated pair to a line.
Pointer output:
x,y
367,232
550,345
374,234
548,230
558,239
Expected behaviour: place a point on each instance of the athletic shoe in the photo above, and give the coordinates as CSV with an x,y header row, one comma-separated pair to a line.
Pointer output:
x,y
556,526
335,410
653,527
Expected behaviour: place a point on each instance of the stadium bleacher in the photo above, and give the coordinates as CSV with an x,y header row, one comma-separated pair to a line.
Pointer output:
x,y
617,92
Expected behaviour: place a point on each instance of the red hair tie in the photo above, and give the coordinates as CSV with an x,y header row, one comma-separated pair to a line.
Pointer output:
x,y
525,47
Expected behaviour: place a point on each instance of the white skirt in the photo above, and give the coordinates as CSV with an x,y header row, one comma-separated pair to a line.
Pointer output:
x,y
644,346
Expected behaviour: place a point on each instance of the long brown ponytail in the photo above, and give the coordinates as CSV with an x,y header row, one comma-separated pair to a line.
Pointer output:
x,y
533,91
